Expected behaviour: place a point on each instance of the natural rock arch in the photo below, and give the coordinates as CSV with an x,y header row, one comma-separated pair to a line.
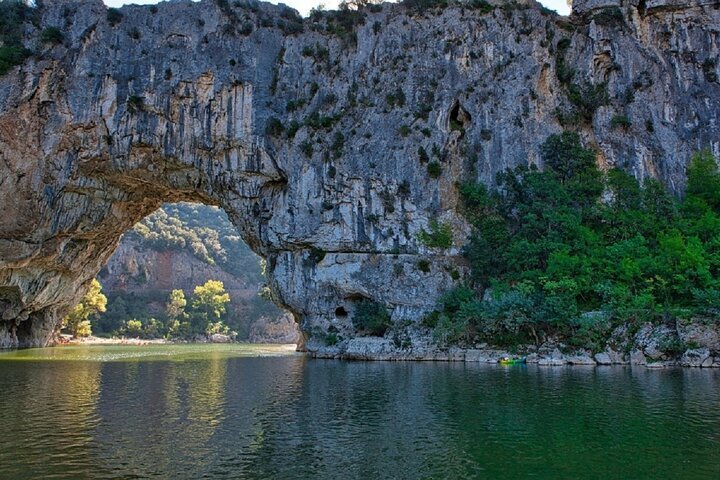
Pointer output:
x,y
309,141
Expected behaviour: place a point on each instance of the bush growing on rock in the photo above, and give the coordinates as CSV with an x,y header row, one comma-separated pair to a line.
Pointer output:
x,y
114,16
14,14
439,236
371,318
434,169
52,35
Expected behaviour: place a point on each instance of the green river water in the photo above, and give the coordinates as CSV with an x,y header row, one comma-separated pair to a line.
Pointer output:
x,y
255,412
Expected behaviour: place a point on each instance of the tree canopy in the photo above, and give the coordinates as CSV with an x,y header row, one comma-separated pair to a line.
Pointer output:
x,y
572,251
77,322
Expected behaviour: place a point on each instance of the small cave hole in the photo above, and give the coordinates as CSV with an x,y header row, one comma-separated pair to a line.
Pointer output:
x,y
340,312
459,119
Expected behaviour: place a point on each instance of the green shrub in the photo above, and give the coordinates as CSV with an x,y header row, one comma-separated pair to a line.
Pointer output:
x,y
564,155
563,71
422,155
247,28
396,98
114,16
434,169
423,266
439,236
673,346
306,147
420,6
620,121
135,103
587,98
331,339
11,56
708,67
52,35
371,317
274,127
430,320
293,128
337,144
14,14
609,16
456,126
341,23
482,6
317,121
404,130
293,105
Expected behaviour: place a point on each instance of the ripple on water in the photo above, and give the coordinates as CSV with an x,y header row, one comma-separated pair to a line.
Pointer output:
x,y
267,413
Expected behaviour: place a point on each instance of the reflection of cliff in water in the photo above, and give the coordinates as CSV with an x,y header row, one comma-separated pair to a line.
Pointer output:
x,y
294,417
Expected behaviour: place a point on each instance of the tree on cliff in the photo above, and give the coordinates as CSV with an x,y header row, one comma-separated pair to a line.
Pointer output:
x,y
78,320
208,306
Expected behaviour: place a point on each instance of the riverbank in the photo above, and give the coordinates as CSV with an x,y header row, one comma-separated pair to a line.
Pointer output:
x,y
378,349
692,344
92,340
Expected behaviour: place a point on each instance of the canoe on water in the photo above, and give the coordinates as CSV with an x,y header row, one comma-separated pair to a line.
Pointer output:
x,y
511,361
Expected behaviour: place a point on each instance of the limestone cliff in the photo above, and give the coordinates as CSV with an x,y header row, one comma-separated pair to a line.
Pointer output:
x,y
307,132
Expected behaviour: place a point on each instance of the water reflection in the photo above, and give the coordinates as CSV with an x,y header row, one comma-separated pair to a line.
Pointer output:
x,y
48,417
291,417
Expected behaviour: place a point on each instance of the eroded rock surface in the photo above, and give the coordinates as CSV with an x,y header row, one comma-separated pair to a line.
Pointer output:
x,y
310,140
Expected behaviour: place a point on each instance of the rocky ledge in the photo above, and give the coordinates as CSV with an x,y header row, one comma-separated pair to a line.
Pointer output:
x,y
687,344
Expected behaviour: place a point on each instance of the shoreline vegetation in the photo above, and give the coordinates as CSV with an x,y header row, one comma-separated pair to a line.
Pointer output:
x,y
571,253
201,319
69,340
570,264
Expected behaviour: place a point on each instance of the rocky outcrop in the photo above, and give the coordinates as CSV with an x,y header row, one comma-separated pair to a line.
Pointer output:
x,y
307,132
652,346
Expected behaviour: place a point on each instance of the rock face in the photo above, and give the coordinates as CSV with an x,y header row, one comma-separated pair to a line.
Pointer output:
x,y
133,269
310,140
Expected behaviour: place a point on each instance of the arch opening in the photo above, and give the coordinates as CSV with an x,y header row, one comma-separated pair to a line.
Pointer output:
x,y
181,247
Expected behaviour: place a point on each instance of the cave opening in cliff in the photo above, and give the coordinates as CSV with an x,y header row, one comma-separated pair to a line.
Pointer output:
x,y
458,118
181,247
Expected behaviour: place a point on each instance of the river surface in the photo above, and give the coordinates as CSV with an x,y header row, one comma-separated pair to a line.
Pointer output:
x,y
241,411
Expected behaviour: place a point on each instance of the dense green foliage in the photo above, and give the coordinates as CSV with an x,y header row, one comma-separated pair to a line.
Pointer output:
x,y
572,251
52,35
439,236
205,314
204,230
13,15
371,318
78,321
